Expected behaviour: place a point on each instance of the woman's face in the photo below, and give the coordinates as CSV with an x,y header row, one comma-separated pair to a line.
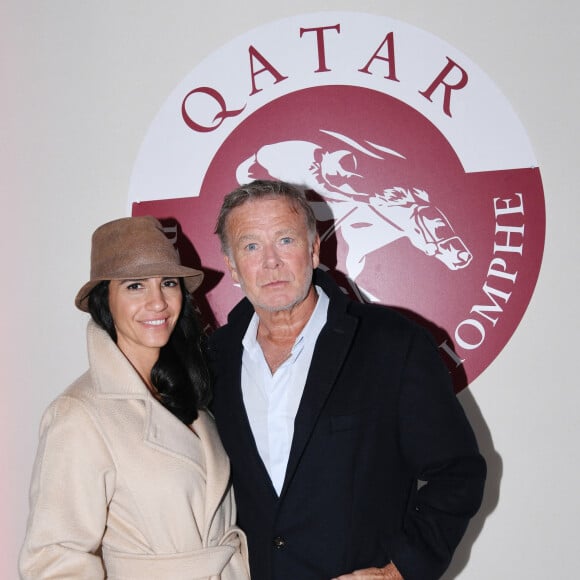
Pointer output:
x,y
144,312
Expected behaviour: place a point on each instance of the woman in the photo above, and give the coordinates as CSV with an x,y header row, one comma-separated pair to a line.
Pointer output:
x,y
131,480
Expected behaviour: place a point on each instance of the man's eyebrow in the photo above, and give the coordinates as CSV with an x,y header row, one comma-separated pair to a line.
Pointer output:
x,y
246,237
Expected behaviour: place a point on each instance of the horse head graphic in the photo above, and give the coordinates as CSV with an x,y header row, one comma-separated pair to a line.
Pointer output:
x,y
423,224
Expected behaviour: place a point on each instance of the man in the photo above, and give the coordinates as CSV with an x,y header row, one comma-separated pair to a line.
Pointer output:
x,y
349,449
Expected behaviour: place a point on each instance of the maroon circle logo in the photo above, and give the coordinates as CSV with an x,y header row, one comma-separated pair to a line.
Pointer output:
x,y
402,221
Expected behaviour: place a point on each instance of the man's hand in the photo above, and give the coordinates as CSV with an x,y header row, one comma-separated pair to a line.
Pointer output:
x,y
389,572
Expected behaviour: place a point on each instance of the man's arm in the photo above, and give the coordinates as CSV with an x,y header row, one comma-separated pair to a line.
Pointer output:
x,y
439,445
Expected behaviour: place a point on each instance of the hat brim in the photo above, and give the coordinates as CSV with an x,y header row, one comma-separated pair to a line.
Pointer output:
x,y
192,279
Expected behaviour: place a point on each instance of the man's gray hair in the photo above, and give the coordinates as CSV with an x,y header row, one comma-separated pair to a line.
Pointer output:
x,y
264,189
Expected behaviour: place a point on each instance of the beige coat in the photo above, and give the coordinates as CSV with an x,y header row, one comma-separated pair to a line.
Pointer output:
x,y
122,489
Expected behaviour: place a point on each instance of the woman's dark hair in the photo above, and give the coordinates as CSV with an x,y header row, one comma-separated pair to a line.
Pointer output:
x,y
180,375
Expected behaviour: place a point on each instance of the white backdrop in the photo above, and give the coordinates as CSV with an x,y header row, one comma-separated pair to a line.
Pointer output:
x,y
81,81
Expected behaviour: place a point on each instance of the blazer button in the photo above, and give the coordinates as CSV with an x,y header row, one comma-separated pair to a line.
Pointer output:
x,y
279,543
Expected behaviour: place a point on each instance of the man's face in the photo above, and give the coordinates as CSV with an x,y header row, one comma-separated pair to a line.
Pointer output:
x,y
270,254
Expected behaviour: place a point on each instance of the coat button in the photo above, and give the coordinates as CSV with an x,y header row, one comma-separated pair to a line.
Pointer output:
x,y
279,543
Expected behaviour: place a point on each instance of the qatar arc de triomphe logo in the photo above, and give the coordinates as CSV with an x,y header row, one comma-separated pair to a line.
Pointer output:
x,y
425,187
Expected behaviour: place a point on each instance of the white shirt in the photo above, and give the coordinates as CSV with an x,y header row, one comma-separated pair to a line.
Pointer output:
x,y
272,400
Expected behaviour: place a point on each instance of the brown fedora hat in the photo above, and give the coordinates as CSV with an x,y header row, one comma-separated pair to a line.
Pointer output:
x,y
134,247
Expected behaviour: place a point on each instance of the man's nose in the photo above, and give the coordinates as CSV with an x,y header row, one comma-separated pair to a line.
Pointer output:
x,y
271,257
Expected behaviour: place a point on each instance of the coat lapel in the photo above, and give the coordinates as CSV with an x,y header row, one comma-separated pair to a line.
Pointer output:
x,y
169,435
217,465
115,378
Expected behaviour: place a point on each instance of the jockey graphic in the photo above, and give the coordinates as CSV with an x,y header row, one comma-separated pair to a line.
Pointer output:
x,y
368,219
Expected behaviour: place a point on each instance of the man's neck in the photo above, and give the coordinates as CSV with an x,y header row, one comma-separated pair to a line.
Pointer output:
x,y
277,331
284,325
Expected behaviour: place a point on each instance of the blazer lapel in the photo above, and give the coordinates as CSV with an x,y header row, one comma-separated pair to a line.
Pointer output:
x,y
337,336
234,426
246,443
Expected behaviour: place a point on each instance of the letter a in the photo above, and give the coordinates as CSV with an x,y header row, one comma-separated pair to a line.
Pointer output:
x,y
389,41
254,54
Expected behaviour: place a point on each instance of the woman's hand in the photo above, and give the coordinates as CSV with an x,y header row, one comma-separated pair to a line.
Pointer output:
x,y
389,572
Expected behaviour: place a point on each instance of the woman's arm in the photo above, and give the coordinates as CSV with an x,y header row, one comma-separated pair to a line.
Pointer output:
x,y
72,483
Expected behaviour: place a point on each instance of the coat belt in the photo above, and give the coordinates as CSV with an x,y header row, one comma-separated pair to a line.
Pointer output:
x,y
206,562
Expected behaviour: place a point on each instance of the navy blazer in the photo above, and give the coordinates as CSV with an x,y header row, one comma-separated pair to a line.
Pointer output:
x,y
384,465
